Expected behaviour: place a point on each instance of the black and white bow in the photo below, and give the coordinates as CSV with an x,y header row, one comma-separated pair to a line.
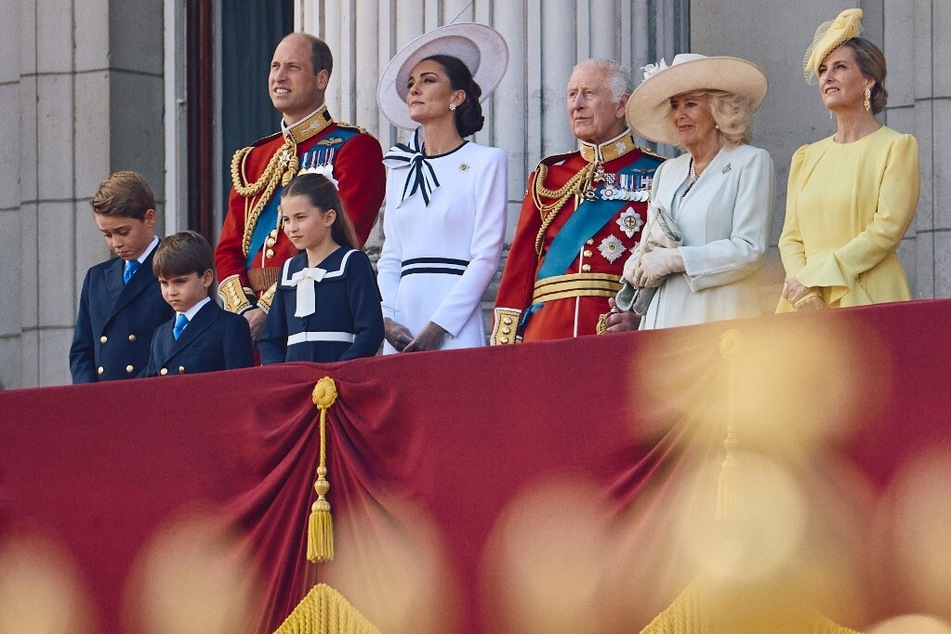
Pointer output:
x,y
421,176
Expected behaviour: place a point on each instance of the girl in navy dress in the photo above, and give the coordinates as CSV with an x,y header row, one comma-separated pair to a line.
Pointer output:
x,y
327,305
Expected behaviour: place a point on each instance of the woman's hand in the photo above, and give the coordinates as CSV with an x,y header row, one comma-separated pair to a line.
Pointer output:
x,y
793,290
810,302
802,297
396,334
630,266
656,265
429,338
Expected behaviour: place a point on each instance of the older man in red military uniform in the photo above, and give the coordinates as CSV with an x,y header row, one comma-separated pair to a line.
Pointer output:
x,y
252,247
582,214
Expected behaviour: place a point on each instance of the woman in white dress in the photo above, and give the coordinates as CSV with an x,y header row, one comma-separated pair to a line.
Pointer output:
x,y
719,192
444,220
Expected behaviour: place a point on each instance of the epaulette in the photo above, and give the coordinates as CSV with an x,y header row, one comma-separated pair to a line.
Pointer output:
x,y
341,124
652,154
555,159
266,139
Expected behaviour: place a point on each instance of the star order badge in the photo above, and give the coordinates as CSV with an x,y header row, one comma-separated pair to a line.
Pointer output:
x,y
629,222
612,248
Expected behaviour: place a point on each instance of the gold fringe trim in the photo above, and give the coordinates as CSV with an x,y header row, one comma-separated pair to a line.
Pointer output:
x,y
320,527
326,611
694,612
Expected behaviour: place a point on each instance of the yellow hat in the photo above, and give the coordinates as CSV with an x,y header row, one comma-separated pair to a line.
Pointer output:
x,y
830,36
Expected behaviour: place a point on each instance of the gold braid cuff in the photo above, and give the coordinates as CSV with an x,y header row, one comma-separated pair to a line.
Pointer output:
x,y
267,298
505,326
236,298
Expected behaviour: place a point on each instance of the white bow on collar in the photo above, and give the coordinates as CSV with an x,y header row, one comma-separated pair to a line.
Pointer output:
x,y
304,280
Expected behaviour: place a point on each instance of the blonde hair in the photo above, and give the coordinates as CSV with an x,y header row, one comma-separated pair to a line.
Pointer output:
x,y
732,114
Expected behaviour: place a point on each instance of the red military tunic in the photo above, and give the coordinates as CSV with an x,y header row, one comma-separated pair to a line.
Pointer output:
x,y
357,160
569,302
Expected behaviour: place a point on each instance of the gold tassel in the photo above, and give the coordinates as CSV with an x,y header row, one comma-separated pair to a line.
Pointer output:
x,y
730,482
320,527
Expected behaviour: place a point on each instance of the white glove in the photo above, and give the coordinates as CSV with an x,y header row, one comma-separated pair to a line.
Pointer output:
x,y
656,265
631,265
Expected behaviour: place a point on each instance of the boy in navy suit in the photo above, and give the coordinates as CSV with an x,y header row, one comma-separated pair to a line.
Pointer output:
x,y
202,337
121,304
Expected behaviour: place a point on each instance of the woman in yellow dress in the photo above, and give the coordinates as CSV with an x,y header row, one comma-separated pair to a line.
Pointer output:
x,y
851,197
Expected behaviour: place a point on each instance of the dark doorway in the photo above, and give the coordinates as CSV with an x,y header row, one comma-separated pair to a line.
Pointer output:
x,y
249,30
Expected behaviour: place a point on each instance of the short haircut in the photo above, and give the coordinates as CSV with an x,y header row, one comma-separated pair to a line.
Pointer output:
x,y
125,194
619,78
183,253
871,61
320,56
323,195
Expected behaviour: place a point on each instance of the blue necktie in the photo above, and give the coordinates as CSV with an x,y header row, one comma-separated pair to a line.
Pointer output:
x,y
131,266
180,322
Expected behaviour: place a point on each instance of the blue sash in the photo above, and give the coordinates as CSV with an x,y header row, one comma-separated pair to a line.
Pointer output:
x,y
322,153
588,218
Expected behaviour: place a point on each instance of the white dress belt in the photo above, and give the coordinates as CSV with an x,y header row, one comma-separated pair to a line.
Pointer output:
x,y
324,335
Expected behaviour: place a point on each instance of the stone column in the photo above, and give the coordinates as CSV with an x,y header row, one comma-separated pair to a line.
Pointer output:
x,y
86,79
793,115
526,115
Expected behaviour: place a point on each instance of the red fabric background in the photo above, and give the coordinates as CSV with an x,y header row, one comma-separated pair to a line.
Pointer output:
x,y
429,451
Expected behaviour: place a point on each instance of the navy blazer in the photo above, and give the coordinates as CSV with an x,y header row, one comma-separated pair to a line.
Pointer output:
x,y
213,340
115,322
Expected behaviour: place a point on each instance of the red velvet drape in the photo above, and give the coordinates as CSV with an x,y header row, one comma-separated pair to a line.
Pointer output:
x,y
490,489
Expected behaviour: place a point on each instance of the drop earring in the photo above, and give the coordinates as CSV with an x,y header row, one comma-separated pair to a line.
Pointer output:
x,y
868,100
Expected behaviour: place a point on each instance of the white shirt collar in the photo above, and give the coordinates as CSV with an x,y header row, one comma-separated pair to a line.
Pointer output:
x,y
148,250
191,312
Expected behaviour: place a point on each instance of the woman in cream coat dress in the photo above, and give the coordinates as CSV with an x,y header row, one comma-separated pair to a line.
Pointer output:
x,y
719,193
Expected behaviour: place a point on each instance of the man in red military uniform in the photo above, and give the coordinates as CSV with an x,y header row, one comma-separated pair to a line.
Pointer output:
x,y
252,246
563,266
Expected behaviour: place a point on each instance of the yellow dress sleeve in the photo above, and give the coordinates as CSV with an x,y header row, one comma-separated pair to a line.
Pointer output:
x,y
897,203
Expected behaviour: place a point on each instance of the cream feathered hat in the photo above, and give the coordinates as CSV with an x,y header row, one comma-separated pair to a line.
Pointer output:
x,y
481,48
648,109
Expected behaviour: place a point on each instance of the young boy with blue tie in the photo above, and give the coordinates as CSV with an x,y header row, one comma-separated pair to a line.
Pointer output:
x,y
202,337
121,304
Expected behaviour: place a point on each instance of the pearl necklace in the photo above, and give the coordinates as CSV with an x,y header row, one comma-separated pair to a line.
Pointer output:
x,y
692,173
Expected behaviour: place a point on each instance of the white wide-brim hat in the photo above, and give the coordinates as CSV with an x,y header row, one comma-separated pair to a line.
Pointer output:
x,y
481,48
648,109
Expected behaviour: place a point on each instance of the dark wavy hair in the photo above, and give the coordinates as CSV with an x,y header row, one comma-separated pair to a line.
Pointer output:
x,y
871,62
323,195
469,117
